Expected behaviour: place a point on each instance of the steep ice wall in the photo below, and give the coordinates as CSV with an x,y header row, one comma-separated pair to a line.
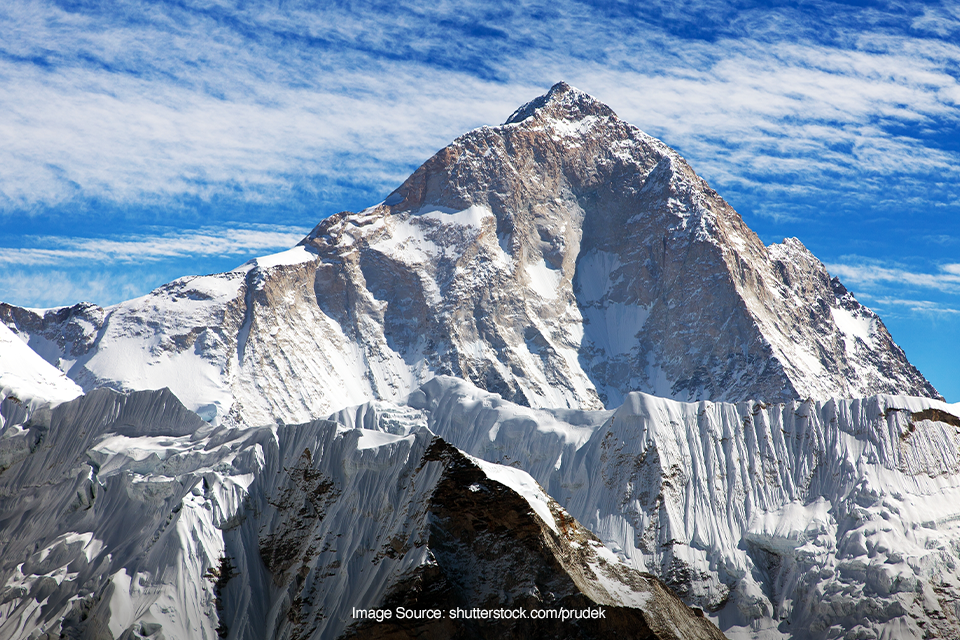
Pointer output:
x,y
98,529
791,520
29,387
130,517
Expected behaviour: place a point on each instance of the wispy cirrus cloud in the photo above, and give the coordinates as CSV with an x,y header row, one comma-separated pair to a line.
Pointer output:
x,y
922,307
144,142
942,21
56,270
793,115
195,244
946,281
60,287
897,291
164,99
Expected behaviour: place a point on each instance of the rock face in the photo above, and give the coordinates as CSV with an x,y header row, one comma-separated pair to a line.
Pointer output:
x,y
563,259
131,518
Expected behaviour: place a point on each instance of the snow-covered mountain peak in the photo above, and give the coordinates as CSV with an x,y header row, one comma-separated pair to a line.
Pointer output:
x,y
564,259
562,102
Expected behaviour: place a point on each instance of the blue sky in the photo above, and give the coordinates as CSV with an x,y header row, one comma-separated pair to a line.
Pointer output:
x,y
142,141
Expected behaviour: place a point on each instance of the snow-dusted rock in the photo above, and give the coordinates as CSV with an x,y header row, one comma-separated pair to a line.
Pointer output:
x,y
566,259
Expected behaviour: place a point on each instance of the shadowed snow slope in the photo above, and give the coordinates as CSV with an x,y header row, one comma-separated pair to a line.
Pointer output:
x,y
563,259
132,518
799,519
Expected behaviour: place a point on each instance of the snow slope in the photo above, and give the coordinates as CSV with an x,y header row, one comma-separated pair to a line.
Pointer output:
x,y
25,377
28,386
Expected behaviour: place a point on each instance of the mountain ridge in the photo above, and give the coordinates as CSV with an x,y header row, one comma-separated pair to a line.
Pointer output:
x,y
461,176
565,258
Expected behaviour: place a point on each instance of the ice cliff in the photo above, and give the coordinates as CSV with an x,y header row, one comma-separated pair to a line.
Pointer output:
x,y
813,519
130,517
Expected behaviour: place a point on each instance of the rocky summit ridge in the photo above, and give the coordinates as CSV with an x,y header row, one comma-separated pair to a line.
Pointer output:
x,y
602,264
562,259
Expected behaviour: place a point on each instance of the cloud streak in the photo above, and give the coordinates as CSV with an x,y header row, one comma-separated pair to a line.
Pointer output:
x,y
66,141
60,287
198,244
922,307
896,290
947,281
264,101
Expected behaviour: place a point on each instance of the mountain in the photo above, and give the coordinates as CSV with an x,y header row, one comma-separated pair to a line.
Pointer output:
x,y
552,369
563,259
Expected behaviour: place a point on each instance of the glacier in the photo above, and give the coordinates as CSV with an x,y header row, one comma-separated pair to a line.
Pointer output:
x,y
150,523
794,520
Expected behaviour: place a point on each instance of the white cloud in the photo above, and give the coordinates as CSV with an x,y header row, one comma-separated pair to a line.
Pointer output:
x,y
59,287
776,110
201,243
185,102
942,21
62,139
922,307
947,281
